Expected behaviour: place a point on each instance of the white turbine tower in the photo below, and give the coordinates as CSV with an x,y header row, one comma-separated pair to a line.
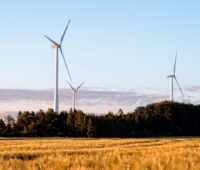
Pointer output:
x,y
173,77
75,96
58,47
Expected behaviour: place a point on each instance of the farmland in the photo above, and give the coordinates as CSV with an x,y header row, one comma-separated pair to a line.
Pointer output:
x,y
72,153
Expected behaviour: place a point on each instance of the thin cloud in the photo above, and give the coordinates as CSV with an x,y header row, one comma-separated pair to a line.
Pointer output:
x,y
192,88
91,100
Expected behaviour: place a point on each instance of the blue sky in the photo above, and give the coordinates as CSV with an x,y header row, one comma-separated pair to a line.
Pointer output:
x,y
121,45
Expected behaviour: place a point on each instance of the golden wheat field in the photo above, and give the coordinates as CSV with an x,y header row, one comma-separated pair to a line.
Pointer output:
x,y
116,154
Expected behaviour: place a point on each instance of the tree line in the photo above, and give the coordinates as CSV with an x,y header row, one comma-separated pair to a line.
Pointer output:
x,y
158,119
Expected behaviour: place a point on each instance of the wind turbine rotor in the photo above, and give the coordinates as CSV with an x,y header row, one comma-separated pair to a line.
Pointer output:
x,y
173,76
79,86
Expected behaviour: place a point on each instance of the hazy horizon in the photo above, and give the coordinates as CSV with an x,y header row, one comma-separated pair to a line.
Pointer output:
x,y
91,100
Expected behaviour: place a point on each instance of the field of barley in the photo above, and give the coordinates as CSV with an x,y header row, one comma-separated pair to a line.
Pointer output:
x,y
116,154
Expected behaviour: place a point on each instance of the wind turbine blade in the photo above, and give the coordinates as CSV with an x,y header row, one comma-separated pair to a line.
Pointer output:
x,y
179,86
55,43
71,86
79,86
62,38
65,63
175,64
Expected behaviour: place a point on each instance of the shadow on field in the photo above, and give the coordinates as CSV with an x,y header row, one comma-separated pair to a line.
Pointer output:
x,y
22,157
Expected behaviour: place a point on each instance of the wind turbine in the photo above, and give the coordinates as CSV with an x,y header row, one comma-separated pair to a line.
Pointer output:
x,y
173,77
75,96
58,47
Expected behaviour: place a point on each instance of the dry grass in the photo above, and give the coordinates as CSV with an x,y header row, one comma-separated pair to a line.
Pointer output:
x,y
116,154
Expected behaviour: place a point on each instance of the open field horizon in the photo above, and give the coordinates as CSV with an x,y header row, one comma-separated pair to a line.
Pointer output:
x,y
101,153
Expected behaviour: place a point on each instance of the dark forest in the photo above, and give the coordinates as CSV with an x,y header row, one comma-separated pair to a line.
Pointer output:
x,y
154,120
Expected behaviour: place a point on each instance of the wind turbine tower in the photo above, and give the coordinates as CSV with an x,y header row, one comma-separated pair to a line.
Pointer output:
x,y
58,47
172,77
75,96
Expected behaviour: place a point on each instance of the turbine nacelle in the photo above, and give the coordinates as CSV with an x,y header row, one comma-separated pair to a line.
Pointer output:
x,y
55,46
171,76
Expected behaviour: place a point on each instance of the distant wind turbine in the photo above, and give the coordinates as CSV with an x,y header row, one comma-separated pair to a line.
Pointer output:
x,y
58,47
173,77
75,96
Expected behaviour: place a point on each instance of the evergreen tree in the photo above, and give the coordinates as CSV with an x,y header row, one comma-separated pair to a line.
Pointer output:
x,y
70,123
9,121
79,123
90,128
26,121
2,127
